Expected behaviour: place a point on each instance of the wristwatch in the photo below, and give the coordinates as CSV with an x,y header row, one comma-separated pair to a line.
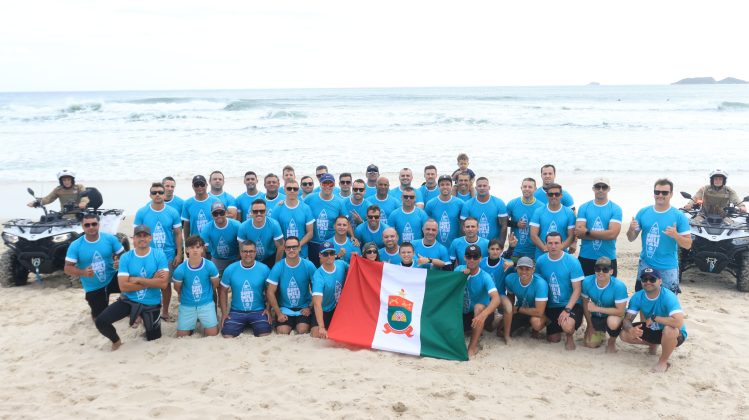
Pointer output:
x,y
430,261
587,232
568,310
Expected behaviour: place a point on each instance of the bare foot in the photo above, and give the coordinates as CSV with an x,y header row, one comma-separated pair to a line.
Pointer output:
x,y
473,350
653,349
570,343
508,340
535,334
661,367
611,348
116,345
137,322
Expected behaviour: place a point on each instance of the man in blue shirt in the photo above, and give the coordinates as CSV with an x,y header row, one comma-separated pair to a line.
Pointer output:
x,y
664,319
221,237
446,210
291,278
272,194
520,211
598,224
459,245
264,232
345,180
327,284
481,295
216,179
372,230
553,218
356,205
295,217
604,303
383,200
325,207
195,280
373,173
94,257
405,176
343,245
665,229
244,200
170,199
430,189
430,253
390,253
408,219
549,176
490,211
531,296
196,212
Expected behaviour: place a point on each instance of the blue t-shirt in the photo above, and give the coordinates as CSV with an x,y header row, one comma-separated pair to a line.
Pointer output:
x,y
447,215
463,197
226,198
396,193
197,289
437,251
176,203
271,205
659,250
487,214
552,221
478,288
559,274
521,212
459,245
364,234
146,266
222,242
162,224
390,258
497,272
386,206
567,200
98,255
329,285
294,221
348,246
360,209
244,204
428,194
293,283
198,213
265,237
598,218
606,297
370,192
247,285
527,296
325,213
408,225
666,304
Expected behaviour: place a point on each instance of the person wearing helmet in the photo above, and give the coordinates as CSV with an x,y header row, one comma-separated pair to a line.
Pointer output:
x,y
715,197
68,192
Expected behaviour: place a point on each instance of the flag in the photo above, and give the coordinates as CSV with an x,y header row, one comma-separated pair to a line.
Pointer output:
x,y
401,309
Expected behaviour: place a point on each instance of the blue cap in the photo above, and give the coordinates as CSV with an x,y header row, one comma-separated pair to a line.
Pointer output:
x,y
326,246
327,178
650,272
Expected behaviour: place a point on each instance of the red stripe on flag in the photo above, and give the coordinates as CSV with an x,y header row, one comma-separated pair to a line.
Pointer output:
x,y
355,318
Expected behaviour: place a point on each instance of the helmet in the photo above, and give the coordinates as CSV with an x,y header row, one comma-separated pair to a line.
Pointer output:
x,y
64,173
718,172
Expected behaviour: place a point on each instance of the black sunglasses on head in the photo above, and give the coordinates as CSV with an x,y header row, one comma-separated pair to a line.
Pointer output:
x,y
648,279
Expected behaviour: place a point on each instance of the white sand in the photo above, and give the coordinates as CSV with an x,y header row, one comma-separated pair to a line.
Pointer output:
x,y
54,363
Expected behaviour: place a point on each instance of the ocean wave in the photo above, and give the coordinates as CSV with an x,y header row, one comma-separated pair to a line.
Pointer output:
x,y
284,114
165,100
148,116
243,104
731,106
84,107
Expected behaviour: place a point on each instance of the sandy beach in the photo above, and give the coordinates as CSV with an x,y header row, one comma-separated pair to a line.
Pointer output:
x,y
55,364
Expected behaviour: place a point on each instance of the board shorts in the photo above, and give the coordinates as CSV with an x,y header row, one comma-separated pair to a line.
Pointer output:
x,y
239,320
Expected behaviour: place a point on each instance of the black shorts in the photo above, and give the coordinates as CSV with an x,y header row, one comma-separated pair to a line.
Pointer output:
x,y
270,261
600,324
468,318
98,300
519,321
293,321
553,326
590,265
326,318
654,336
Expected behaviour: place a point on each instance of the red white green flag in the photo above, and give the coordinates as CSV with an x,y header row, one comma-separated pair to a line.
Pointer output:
x,y
401,309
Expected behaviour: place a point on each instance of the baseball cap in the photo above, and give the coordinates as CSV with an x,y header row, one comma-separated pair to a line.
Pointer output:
x,y
445,178
525,262
327,178
472,251
326,246
199,178
650,272
141,229
373,168
217,205
601,180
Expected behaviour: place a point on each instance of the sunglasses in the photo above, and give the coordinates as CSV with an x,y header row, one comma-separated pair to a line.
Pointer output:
x,y
218,213
473,257
602,187
291,247
328,184
370,252
408,197
373,172
344,182
157,192
292,188
357,189
601,269
92,224
661,192
649,279
327,253
552,194
372,217
248,251
199,184
307,184
261,211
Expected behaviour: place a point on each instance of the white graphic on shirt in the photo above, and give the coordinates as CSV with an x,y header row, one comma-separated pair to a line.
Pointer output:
x,y
260,250
483,226
523,233
247,296
140,294
322,225
408,233
99,267
597,226
293,292
159,236
197,289
201,222
556,291
652,240
222,248
444,227
338,288
552,227
466,300
292,230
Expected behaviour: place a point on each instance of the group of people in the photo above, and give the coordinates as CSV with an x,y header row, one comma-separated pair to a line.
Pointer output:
x,y
283,256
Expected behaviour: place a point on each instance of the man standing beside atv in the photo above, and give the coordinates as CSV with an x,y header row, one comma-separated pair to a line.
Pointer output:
x,y
68,192
715,197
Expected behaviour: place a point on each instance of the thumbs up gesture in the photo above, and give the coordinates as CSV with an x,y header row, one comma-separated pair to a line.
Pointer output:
x,y
671,231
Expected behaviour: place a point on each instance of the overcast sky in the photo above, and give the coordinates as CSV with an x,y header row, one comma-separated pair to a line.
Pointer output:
x,y
157,44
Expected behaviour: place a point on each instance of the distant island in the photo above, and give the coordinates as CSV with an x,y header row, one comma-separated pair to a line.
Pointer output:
x,y
710,81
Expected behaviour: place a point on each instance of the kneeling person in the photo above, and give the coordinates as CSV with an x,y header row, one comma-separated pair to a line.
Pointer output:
x,y
531,296
195,280
291,278
246,279
327,283
481,298
604,304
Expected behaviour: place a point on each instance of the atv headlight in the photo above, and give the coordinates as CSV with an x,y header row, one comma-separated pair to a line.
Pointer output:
x,y
740,241
10,238
61,238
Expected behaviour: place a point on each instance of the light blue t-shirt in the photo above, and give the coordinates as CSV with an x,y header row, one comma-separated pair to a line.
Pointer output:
x,y
527,296
271,204
364,234
370,192
487,214
247,285
325,213
396,193
607,297
447,215
497,272
360,209
198,213
98,255
437,251
329,285
560,274
666,304
463,197
521,212
294,221
265,237
348,246
598,218
176,203
386,206
458,248
146,266
293,283
390,258
659,250
547,221
226,198
478,288
408,224
244,204
197,289
162,224
428,194
222,241
567,200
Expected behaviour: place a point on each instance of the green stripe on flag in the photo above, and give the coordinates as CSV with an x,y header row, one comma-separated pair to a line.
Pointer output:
x,y
442,316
